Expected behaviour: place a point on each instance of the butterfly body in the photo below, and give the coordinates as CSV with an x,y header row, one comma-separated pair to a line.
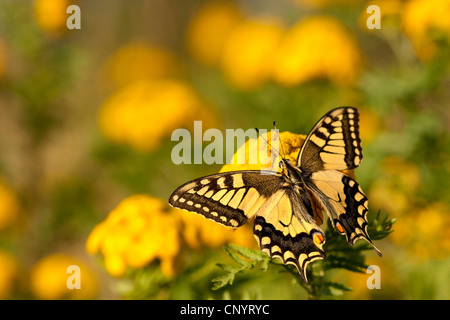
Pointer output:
x,y
287,206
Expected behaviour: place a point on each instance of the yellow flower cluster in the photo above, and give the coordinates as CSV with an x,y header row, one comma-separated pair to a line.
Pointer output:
x,y
144,113
9,206
247,57
423,22
325,3
51,16
48,279
8,274
209,27
142,229
252,51
149,103
317,47
137,61
288,148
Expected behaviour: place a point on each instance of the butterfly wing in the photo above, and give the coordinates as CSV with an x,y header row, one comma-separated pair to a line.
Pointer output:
x,y
281,226
229,198
333,143
282,230
345,203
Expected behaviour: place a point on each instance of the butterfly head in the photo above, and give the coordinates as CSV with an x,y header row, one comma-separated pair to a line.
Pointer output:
x,y
289,171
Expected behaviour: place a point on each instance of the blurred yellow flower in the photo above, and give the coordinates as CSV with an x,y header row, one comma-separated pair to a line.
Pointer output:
x,y
325,3
358,281
248,52
394,190
209,28
200,232
48,279
144,113
137,61
425,232
390,11
142,229
139,230
8,274
317,47
9,206
51,15
423,22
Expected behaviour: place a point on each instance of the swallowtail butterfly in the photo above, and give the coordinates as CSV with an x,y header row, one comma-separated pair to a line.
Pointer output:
x,y
284,204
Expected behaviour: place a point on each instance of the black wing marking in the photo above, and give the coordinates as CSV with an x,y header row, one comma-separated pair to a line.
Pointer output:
x,y
333,143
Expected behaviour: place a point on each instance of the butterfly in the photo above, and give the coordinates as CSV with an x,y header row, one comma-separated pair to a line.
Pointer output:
x,y
284,204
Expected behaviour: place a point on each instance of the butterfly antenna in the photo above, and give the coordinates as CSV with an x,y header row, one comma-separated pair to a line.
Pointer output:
x,y
267,142
281,144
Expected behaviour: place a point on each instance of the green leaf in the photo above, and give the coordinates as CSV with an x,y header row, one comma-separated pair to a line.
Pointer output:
x,y
226,278
255,255
334,289
351,263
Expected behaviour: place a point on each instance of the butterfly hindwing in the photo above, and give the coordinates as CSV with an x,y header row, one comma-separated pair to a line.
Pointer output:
x,y
345,203
282,234
333,143
229,198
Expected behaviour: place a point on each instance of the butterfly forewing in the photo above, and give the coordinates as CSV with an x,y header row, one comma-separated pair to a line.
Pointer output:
x,y
229,198
333,143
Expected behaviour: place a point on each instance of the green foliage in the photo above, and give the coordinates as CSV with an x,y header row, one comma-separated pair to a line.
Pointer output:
x,y
339,255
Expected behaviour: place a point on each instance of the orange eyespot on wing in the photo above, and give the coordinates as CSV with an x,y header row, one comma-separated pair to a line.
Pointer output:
x,y
318,238
339,227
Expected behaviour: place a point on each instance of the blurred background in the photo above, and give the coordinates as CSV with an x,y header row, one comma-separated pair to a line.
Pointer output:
x,y
86,118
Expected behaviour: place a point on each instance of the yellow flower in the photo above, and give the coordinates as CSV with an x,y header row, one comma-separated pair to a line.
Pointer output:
x,y
9,206
8,274
289,147
423,21
325,3
49,279
317,47
425,232
144,113
358,281
142,229
390,11
51,16
395,189
209,28
138,61
139,230
248,52
200,232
